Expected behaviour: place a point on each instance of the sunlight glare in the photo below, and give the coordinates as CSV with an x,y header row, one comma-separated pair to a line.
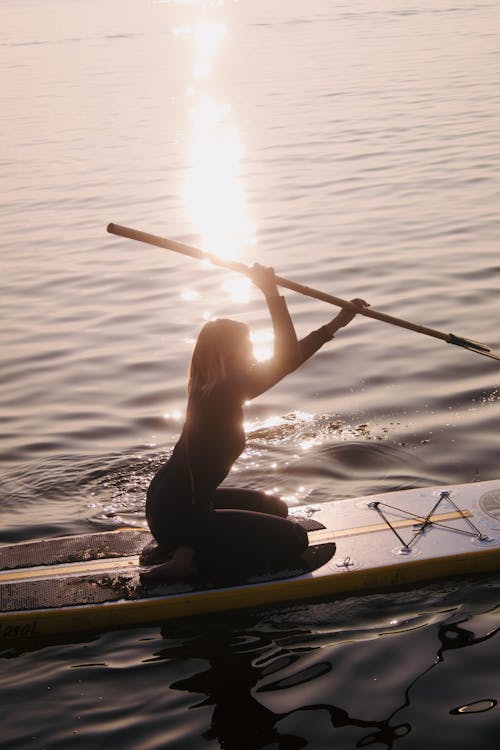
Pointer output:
x,y
310,443
263,344
238,288
213,193
207,38
176,416
189,295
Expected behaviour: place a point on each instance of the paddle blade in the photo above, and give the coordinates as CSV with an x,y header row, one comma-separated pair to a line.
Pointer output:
x,y
473,346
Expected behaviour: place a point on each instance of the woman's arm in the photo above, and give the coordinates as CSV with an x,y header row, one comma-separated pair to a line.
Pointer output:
x,y
286,354
289,353
286,348
315,340
345,316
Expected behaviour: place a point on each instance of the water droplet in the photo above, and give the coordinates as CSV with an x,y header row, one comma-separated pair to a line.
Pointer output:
x,y
477,707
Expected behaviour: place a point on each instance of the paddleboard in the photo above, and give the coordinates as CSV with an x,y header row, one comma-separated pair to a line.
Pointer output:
x,y
92,582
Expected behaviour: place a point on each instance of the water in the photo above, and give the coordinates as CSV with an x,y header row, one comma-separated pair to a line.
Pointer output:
x,y
355,149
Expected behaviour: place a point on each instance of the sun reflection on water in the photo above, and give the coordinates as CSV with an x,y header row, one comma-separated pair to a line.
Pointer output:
x,y
207,38
238,288
189,295
214,193
263,343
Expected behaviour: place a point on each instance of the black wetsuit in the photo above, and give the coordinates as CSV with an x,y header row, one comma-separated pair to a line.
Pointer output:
x,y
231,530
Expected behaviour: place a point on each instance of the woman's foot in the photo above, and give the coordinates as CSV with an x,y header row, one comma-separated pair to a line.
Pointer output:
x,y
180,567
152,554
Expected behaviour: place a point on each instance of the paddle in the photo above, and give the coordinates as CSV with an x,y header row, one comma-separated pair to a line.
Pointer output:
x,y
193,252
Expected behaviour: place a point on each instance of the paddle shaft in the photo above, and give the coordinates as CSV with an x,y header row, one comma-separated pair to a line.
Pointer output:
x,y
193,252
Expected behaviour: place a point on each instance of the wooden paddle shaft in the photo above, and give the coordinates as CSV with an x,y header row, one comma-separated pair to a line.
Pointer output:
x,y
193,252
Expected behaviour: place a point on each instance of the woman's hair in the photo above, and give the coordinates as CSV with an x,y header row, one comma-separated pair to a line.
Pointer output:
x,y
215,347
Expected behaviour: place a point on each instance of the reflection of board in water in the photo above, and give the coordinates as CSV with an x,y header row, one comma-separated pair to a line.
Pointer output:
x,y
243,687
394,539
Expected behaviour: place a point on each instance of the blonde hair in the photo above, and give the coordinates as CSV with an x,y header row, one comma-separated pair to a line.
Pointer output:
x,y
212,354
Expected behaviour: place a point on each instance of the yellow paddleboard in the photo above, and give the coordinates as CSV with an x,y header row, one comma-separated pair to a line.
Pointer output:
x,y
92,581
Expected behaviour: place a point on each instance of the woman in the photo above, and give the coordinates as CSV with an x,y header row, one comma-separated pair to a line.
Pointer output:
x,y
201,528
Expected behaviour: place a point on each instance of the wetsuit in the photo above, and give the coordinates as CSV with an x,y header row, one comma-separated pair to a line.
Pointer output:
x,y
232,531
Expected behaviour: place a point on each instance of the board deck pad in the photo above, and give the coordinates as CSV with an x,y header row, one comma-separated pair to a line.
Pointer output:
x,y
69,549
64,592
22,595
395,539
95,546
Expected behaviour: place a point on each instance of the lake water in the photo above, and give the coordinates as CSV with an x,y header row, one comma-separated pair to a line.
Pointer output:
x,y
354,147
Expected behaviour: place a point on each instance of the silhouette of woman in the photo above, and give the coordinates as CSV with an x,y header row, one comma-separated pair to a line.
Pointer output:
x,y
202,528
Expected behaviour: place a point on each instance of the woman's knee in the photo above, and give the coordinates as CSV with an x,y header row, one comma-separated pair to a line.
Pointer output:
x,y
251,500
276,506
301,537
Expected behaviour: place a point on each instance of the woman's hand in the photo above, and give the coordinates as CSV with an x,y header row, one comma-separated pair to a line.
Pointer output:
x,y
346,315
264,278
